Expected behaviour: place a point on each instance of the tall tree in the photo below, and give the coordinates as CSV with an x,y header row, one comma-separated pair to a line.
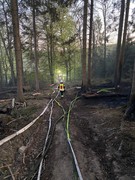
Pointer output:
x,y
84,77
35,45
50,48
119,42
18,51
1,66
90,45
105,7
122,49
7,37
105,29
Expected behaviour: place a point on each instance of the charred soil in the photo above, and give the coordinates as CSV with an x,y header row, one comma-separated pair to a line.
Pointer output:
x,y
103,141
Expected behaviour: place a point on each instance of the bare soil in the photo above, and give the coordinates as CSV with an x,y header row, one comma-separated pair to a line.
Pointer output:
x,y
103,141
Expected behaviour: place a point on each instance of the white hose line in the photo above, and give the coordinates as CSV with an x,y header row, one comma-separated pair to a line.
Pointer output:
x,y
8,138
75,161
41,163
46,140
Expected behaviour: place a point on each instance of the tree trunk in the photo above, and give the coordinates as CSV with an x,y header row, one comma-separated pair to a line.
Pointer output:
x,y
122,49
4,66
50,58
35,48
104,63
119,42
74,62
90,45
10,59
70,76
18,52
84,78
93,51
132,95
9,49
67,72
130,111
1,69
51,55
66,64
50,52
69,63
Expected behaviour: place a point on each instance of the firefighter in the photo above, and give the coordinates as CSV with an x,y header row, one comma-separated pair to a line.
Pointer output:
x,y
61,88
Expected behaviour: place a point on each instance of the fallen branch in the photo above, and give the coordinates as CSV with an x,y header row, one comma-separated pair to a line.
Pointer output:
x,y
5,166
5,100
11,172
9,91
7,177
120,147
12,121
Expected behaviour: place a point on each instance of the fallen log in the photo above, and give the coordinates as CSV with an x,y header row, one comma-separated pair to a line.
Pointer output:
x,y
96,95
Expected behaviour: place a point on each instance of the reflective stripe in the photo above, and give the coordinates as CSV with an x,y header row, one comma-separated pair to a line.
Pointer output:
x,y
61,87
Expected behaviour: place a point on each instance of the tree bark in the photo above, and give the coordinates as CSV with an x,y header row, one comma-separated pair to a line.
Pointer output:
x,y
1,69
3,66
51,54
50,57
119,42
130,111
90,45
35,48
18,51
9,49
121,49
10,59
104,16
84,77
132,94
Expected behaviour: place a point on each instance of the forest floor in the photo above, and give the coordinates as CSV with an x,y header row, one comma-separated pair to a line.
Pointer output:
x,y
104,143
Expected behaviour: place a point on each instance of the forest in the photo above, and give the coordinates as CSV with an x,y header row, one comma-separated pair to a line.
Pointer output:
x,y
87,132
55,38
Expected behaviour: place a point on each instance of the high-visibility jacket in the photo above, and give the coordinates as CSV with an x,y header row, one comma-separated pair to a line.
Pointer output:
x,y
61,87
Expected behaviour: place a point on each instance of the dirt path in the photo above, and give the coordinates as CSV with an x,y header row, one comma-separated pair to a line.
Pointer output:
x,y
61,159
59,162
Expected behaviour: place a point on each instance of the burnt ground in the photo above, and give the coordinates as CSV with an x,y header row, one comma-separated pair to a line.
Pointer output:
x,y
106,141
103,141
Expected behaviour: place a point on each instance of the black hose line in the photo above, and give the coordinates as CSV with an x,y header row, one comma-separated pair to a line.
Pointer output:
x,y
34,172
